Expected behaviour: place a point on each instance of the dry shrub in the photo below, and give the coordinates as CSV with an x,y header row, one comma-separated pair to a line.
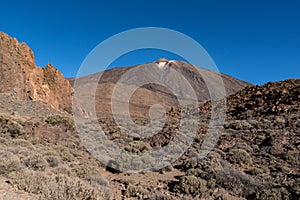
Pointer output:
x,y
9,127
85,170
272,194
58,187
64,153
238,156
90,173
134,191
35,162
191,185
53,161
61,120
138,147
22,143
63,170
8,163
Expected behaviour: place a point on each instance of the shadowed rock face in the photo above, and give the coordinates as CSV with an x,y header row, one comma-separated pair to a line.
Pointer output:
x,y
22,79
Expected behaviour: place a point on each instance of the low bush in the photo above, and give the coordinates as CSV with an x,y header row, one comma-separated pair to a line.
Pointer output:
x,y
138,147
134,191
53,161
9,127
57,187
61,120
272,194
35,162
191,185
8,163
238,156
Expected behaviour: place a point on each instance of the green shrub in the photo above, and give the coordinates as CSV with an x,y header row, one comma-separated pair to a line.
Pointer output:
x,y
138,147
61,120
10,127
258,170
238,156
191,185
239,125
272,194
196,172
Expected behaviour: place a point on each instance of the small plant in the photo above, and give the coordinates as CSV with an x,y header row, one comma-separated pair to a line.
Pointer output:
x,y
61,120
85,170
191,185
10,127
258,170
138,147
36,162
239,125
8,162
197,172
53,161
134,191
22,143
272,194
239,156
230,197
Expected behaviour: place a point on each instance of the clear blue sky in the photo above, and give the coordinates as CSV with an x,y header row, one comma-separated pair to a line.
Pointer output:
x,y
254,40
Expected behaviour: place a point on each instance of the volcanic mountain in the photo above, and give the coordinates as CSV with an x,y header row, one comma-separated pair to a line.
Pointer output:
x,y
162,73
256,155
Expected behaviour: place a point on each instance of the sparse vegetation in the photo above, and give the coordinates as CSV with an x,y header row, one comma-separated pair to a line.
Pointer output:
x,y
239,156
10,127
138,147
8,163
191,185
61,120
255,157
57,187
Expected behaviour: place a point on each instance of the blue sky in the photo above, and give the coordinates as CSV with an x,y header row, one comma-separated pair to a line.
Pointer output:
x,y
256,41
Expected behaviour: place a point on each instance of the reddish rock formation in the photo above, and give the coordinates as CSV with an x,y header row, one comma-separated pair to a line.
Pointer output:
x,y
22,79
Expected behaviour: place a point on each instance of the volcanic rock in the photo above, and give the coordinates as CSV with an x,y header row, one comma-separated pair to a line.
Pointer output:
x,y
22,79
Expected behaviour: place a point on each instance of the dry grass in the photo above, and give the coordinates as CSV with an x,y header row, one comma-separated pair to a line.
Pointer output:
x,y
57,187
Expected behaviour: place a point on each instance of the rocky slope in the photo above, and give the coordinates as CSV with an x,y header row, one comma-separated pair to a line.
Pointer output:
x,y
257,155
22,79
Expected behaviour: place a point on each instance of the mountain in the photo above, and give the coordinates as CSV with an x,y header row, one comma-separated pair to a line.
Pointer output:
x,y
161,72
23,80
42,156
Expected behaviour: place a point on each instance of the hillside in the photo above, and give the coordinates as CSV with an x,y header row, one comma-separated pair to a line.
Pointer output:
x,y
256,156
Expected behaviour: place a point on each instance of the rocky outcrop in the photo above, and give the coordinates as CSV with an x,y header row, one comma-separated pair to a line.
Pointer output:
x,y
22,79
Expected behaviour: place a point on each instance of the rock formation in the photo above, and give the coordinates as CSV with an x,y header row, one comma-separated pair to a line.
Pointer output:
x,y
22,79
